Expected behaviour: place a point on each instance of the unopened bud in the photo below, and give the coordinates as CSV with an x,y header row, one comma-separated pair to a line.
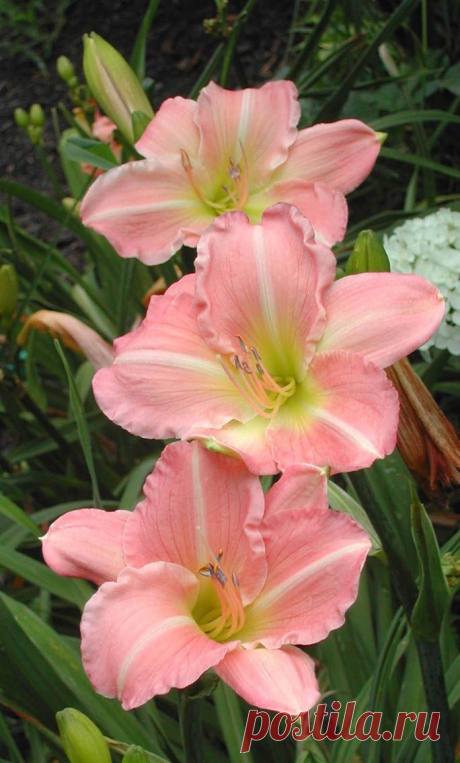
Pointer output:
x,y
135,754
65,68
71,205
114,84
73,82
21,118
427,441
81,739
8,291
37,115
368,255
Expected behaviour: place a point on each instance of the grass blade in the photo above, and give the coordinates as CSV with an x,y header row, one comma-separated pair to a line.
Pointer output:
x,y
82,424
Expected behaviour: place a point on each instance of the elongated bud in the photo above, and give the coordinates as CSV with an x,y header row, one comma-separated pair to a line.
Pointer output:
x,y
114,84
427,441
37,115
135,754
368,255
21,118
8,291
81,738
74,333
65,68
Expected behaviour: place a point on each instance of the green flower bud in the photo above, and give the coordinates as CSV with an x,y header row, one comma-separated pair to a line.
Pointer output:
x,y
21,118
37,115
113,84
8,290
368,255
135,754
73,82
65,68
71,205
81,738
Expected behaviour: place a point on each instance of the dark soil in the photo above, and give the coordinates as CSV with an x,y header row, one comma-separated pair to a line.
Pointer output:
x,y
178,50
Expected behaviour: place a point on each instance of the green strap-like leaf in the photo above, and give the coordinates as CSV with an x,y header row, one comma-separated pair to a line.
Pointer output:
x,y
433,599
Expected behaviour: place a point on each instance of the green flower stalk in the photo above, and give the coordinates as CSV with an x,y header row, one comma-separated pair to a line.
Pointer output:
x,y
114,84
81,738
8,291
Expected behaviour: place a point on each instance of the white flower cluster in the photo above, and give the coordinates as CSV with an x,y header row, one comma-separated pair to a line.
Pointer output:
x,y
430,246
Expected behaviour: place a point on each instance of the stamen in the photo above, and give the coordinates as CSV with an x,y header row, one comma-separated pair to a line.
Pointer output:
x,y
187,165
229,619
242,343
265,393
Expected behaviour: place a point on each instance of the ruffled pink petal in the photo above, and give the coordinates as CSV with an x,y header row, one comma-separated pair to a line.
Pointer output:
x,y
173,128
323,206
276,679
146,209
139,638
164,378
381,316
196,505
87,543
246,441
301,486
243,288
314,562
341,154
255,128
344,415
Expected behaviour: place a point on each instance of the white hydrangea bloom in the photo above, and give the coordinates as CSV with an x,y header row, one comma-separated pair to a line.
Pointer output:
x,y
430,246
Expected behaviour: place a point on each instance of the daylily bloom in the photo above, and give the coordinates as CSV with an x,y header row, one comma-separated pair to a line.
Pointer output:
x,y
207,572
263,353
228,150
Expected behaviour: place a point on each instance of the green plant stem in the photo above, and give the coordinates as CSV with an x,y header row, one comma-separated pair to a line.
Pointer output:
x,y
49,171
402,576
311,43
429,652
191,728
230,47
42,419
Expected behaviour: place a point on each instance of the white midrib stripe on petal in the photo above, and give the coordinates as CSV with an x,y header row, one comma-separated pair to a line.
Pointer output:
x,y
140,209
174,359
267,296
300,577
199,506
341,426
243,123
170,624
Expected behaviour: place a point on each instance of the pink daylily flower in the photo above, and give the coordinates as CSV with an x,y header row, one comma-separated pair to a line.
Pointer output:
x,y
262,353
228,150
207,572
